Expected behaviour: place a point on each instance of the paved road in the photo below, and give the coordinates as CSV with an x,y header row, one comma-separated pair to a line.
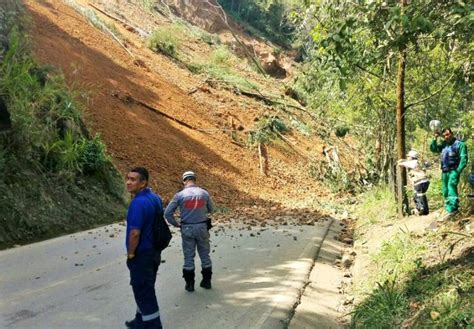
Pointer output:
x,y
80,280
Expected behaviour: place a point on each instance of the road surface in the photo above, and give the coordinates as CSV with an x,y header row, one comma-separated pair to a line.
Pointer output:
x,y
81,280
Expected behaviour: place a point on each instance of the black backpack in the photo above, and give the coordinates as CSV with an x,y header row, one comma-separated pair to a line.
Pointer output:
x,y
161,232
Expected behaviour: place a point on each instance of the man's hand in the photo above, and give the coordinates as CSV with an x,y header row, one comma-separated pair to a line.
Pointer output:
x,y
437,134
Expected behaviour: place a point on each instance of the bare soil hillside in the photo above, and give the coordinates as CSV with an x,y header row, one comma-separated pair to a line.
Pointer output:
x,y
151,111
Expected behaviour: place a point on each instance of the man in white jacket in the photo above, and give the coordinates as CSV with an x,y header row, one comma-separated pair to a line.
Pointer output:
x,y
419,181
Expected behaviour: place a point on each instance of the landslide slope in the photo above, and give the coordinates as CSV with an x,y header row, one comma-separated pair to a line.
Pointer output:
x,y
191,122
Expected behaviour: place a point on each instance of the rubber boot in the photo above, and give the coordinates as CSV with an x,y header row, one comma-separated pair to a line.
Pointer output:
x,y
188,276
136,322
206,278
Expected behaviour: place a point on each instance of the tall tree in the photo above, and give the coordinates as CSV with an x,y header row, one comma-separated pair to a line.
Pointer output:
x,y
362,41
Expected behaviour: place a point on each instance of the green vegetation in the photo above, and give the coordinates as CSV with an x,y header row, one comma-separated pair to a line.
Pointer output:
x,y
412,288
55,178
220,70
351,70
268,129
148,5
416,280
377,206
164,40
270,18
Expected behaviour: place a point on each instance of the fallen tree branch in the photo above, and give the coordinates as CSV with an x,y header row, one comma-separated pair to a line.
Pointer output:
x,y
131,28
129,99
118,40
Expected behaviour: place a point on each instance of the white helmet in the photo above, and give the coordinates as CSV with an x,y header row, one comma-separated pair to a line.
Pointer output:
x,y
189,174
413,154
435,125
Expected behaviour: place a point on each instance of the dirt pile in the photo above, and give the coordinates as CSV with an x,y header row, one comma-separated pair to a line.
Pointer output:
x,y
177,121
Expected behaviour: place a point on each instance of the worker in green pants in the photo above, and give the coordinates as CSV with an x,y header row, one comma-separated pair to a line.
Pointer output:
x,y
453,161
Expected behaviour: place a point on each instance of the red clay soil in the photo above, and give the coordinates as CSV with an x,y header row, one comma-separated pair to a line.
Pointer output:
x,y
93,62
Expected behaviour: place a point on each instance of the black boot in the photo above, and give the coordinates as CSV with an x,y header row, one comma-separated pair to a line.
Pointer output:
x,y
152,324
188,276
136,322
206,277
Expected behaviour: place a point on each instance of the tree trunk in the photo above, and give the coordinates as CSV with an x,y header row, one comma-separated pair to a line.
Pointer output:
x,y
262,157
402,200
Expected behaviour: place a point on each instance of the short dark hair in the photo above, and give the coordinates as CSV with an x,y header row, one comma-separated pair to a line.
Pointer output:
x,y
447,129
142,172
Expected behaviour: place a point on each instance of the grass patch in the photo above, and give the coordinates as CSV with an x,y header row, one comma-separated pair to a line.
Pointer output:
x,y
419,281
385,308
399,255
220,70
377,206
164,40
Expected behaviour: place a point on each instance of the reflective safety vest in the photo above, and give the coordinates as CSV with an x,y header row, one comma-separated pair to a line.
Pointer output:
x,y
450,157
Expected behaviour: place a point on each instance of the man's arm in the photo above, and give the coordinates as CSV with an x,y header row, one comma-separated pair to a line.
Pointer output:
x,y
410,164
463,157
133,239
435,147
210,205
135,218
169,211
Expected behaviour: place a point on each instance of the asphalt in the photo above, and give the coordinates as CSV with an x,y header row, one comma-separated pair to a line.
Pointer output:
x,y
81,281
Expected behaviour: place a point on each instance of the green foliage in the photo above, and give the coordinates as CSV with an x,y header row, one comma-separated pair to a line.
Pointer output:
x,y
209,38
268,129
406,285
164,40
54,178
220,69
351,66
92,155
384,308
222,57
148,5
341,131
377,205
269,17
48,128
397,256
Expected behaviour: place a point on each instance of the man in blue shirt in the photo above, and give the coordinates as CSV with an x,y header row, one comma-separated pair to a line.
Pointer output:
x,y
142,258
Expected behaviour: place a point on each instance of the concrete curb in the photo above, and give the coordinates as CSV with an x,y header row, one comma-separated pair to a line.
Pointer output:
x,y
280,315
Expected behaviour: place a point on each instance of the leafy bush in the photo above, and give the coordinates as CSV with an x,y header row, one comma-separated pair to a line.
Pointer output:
x,y
163,40
209,38
48,128
222,56
341,131
269,17
92,155
267,130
